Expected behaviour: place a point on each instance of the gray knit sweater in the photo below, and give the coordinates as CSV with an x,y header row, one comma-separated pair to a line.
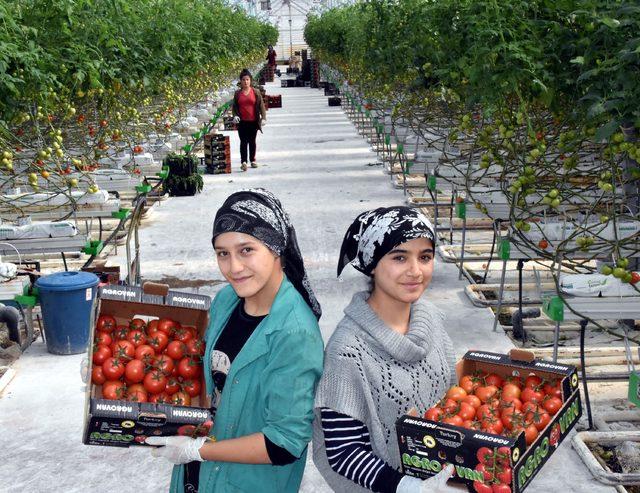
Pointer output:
x,y
375,375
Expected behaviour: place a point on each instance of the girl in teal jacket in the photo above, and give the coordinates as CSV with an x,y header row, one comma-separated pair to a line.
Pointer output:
x,y
262,362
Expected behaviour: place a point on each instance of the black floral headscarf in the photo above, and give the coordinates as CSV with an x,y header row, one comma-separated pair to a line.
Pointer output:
x,y
375,233
258,213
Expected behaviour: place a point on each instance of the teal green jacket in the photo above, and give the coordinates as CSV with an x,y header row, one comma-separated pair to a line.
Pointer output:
x,y
270,388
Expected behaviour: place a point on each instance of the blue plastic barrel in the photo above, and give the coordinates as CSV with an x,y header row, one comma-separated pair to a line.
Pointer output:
x,y
66,299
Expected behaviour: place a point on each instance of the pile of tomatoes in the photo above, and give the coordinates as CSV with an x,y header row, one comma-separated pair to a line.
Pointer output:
x,y
157,361
501,406
494,464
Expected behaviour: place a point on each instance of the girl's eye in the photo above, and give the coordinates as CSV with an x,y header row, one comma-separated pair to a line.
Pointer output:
x,y
222,254
247,250
399,258
427,258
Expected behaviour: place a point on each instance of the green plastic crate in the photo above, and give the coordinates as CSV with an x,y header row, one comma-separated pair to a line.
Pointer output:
x,y
504,248
143,188
121,214
93,247
553,307
29,297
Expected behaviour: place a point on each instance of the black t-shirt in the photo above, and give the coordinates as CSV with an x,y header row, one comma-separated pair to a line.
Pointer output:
x,y
234,336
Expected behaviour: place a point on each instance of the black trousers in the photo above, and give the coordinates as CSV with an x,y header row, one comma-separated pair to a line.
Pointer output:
x,y
247,132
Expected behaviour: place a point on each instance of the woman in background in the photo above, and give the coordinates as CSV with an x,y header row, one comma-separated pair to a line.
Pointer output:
x,y
250,115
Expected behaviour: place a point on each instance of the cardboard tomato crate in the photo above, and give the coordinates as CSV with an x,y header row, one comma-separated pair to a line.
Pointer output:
x,y
426,446
121,423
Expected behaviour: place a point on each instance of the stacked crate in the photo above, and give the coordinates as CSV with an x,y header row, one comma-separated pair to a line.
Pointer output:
x,y
217,153
273,101
315,73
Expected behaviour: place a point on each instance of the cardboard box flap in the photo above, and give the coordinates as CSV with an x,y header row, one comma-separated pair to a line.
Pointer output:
x,y
173,298
505,359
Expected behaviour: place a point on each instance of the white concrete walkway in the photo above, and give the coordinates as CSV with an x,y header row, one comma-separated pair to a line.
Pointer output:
x,y
311,157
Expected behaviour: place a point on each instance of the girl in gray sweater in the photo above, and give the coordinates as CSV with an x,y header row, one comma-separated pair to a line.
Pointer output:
x,y
390,353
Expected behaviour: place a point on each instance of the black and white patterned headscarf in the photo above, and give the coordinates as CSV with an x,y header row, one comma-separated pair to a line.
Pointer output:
x,y
375,233
258,213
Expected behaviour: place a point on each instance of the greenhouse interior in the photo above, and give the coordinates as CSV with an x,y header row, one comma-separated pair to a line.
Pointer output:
x,y
316,245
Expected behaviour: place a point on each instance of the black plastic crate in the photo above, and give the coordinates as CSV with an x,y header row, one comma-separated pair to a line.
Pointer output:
x,y
335,101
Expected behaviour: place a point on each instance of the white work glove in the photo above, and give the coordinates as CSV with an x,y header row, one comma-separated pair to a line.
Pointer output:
x,y
177,449
263,123
236,119
435,484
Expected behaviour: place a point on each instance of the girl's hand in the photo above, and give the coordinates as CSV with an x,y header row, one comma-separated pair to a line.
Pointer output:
x,y
436,484
177,449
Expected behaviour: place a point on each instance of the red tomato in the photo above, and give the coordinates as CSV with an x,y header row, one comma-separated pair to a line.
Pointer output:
x,y
467,411
481,487
635,277
531,395
97,376
486,393
553,389
551,404
493,379
137,324
158,341
186,430
449,406
164,363
453,420
167,326
501,488
181,399
487,475
188,368
145,353
485,455
517,381
124,350
113,369
492,424
533,381
470,383
192,387
173,385
134,371
511,403
152,326
176,350
103,338
530,434
540,418
106,323
473,401
510,390
100,354
137,396
136,337
485,411
511,419
195,347
183,335
503,456
161,398
121,333
155,382
456,393
113,390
